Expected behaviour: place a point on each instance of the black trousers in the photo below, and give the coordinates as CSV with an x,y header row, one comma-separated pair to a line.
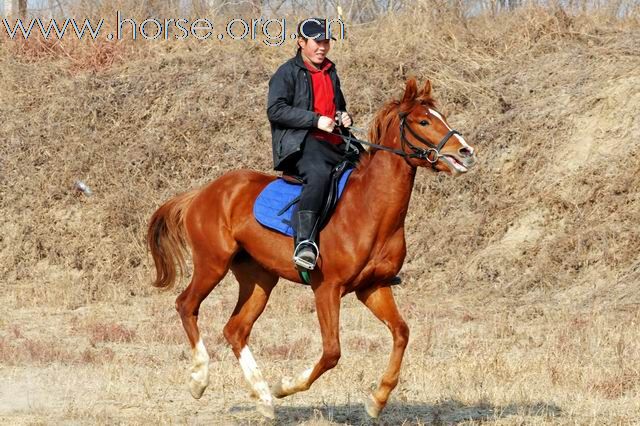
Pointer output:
x,y
316,161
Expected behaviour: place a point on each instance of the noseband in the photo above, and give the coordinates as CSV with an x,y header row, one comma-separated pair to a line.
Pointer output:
x,y
421,153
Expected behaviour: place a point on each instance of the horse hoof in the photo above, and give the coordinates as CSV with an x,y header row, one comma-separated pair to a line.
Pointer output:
x,y
395,280
373,407
266,410
277,390
197,388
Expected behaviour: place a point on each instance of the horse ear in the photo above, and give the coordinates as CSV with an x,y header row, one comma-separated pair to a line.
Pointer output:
x,y
410,91
426,90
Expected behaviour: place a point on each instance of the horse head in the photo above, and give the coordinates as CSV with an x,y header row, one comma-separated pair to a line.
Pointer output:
x,y
424,133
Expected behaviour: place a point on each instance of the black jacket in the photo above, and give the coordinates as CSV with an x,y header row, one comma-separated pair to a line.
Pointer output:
x,y
290,107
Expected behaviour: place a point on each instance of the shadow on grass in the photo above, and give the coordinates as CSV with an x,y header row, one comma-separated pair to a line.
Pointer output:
x,y
445,412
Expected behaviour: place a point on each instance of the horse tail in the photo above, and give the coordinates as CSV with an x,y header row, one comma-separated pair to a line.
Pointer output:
x,y
167,238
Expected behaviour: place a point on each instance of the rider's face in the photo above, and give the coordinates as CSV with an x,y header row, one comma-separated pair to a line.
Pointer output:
x,y
314,50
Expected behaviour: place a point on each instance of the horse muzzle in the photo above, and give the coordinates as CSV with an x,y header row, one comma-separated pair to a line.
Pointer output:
x,y
460,162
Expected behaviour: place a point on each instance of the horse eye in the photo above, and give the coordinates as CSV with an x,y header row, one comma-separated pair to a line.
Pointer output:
x,y
424,122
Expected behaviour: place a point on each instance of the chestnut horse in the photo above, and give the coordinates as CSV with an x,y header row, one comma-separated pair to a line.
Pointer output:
x,y
361,253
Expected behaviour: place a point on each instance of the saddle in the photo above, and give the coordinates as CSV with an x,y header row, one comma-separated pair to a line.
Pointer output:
x,y
330,203
275,205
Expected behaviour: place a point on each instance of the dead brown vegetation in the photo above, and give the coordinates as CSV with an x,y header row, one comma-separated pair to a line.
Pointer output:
x,y
521,278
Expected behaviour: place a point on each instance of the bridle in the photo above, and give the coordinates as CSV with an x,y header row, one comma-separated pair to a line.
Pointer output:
x,y
421,153
430,154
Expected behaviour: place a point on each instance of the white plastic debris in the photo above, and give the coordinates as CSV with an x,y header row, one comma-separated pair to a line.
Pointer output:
x,y
80,186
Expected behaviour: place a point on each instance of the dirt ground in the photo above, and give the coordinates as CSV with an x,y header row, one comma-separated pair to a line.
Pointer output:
x,y
469,361
521,279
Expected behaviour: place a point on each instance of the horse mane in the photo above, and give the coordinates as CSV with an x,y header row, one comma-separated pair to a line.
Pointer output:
x,y
387,116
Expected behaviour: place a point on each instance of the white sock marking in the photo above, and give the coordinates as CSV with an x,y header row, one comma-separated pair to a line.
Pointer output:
x,y
253,375
303,378
200,366
297,384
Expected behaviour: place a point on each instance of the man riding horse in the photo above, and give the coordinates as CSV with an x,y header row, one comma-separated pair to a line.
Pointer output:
x,y
304,103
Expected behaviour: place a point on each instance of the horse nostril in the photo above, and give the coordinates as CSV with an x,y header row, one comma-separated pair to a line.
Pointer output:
x,y
465,152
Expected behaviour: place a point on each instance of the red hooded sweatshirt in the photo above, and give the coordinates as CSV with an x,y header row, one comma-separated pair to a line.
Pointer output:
x,y
323,98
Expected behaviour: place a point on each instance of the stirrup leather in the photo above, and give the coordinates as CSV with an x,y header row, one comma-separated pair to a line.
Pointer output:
x,y
302,262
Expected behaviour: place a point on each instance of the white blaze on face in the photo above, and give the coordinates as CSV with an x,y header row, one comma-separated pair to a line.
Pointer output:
x,y
441,118
253,375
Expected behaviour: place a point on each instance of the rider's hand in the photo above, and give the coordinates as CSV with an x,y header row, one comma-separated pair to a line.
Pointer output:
x,y
326,123
346,119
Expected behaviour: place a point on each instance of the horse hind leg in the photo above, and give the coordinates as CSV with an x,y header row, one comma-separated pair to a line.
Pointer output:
x,y
208,271
255,288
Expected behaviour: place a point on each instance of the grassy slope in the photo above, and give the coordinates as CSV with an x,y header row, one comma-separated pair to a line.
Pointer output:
x,y
520,279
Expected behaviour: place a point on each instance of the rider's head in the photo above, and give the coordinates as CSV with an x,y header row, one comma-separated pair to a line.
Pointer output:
x,y
314,39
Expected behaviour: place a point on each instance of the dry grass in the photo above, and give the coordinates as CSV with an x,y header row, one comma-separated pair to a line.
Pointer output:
x,y
520,285
111,333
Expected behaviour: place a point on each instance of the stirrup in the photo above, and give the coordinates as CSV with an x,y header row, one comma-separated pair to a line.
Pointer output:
x,y
302,262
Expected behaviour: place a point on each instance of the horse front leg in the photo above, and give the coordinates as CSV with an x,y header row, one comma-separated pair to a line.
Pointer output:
x,y
381,303
328,309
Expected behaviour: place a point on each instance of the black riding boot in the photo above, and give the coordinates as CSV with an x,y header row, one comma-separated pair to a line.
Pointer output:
x,y
306,251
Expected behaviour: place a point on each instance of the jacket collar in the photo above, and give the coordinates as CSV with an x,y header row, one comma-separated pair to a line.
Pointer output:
x,y
300,62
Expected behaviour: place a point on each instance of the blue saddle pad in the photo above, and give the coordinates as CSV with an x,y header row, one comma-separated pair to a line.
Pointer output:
x,y
276,196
